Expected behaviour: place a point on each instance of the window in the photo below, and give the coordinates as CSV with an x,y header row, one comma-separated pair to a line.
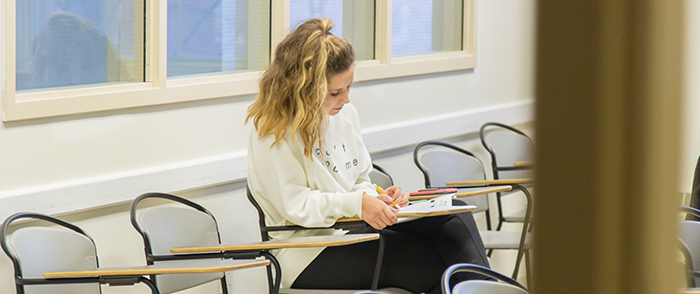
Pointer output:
x,y
63,57
424,27
211,36
77,43
352,20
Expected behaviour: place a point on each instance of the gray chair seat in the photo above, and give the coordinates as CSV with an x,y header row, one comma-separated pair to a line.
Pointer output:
x,y
504,240
516,217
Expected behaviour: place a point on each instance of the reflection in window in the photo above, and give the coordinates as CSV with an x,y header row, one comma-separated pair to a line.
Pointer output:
x,y
211,36
353,20
426,26
78,42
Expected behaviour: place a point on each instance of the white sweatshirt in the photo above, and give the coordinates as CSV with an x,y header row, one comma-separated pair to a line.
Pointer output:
x,y
289,186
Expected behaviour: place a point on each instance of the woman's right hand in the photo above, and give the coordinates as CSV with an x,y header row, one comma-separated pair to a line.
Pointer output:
x,y
376,212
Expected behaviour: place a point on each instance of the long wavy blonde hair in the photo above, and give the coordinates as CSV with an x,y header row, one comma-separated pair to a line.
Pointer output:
x,y
293,87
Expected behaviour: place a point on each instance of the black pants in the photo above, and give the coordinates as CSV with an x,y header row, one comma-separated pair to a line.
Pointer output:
x,y
416,253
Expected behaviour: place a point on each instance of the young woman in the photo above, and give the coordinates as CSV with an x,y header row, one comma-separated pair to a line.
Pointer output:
x,y
307,164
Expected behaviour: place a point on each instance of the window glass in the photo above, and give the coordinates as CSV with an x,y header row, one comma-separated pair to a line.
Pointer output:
x,y
353,20
212,36
78,42
426,26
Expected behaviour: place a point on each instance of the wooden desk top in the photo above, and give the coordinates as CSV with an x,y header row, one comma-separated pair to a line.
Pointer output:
x,y
490,182
193,266
457,209
417,214
302,242
477,191
524,163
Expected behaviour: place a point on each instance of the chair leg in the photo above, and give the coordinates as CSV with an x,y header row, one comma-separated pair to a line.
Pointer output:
x,y
528,269
500,211
153,280
500,223
224,285
488,219
270,281
274,286
517,263
378,265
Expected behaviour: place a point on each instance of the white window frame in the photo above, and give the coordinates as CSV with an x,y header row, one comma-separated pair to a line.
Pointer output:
x,y
384,66
157,89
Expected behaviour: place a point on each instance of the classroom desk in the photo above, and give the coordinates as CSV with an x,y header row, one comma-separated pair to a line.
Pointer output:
x,y
302,242
410,214
117,276
475,191
320,241
316,241
524,163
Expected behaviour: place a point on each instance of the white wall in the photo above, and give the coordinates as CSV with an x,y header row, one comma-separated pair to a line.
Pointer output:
x,y
110,150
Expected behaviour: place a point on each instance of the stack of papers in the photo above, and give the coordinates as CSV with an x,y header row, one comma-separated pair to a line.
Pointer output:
x,y
429,207
438,203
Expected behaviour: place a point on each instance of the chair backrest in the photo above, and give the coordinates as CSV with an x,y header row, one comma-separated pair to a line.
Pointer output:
x,y
501,285
688,254
689,237
507,145
442,162
261,214
380,177
35,250
689,233
166,227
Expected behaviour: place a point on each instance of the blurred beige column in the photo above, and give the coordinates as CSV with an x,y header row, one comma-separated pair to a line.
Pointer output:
x,y
607,125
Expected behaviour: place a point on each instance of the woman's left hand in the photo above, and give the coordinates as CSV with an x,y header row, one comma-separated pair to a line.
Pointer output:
x,y
395,193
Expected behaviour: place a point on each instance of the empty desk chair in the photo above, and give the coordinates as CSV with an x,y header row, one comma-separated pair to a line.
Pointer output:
x,y
63,260
441,163
189,224
507,147
188,233
35,250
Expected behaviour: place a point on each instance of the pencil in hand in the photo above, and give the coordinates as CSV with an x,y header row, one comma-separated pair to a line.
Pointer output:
x,y
381,191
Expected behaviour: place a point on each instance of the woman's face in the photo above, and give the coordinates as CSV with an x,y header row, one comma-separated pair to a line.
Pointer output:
x,y
338,90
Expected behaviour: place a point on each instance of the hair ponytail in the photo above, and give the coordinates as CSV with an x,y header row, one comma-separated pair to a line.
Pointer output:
x,y
293,87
